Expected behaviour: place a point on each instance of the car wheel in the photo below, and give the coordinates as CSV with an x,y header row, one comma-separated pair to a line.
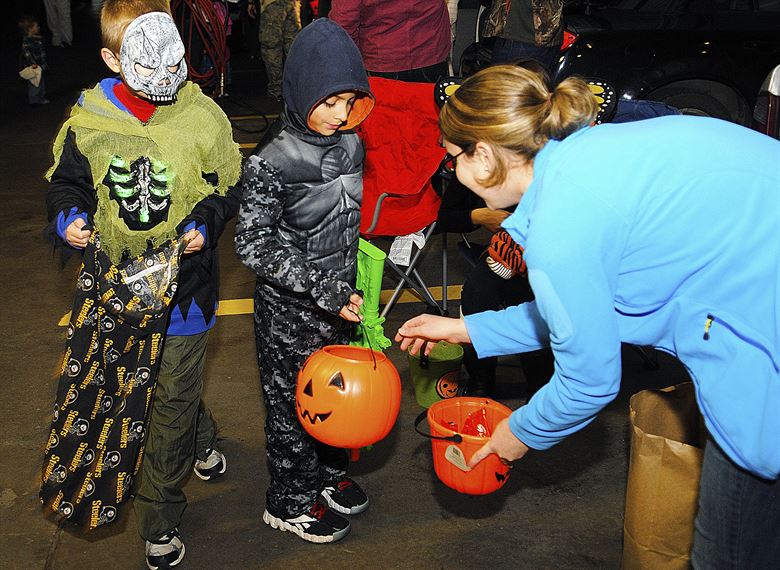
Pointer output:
x,y
704,99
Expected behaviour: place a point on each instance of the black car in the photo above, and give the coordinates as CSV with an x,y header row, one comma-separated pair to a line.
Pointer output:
x,y
705,57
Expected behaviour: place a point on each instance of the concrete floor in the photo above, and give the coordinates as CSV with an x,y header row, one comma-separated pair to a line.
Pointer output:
x,y
560,509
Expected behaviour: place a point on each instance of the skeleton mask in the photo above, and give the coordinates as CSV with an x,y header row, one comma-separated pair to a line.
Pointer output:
x,y
142,190
152,57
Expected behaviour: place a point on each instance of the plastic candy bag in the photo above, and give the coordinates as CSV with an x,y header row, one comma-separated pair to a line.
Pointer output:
x,y
476,424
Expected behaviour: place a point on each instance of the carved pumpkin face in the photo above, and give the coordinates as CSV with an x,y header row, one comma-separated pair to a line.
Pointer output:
x,y
343,400
447,386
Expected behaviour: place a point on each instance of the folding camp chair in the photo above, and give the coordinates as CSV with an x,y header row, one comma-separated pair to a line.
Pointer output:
x,y
401,138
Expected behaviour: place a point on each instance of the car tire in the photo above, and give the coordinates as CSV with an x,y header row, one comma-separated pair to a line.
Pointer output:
x,y
691,99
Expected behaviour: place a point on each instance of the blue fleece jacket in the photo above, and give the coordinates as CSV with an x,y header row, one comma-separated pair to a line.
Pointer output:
x,y
663,232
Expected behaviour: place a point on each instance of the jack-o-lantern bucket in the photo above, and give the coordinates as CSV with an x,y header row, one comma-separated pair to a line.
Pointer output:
x,y
459,427
348,396
437,376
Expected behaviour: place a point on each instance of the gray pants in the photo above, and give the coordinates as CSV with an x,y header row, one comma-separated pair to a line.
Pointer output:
x,y
180,429
59,21
287,330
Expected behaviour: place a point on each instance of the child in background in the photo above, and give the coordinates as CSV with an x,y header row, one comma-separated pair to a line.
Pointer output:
x,y
144,159
298,230
33,56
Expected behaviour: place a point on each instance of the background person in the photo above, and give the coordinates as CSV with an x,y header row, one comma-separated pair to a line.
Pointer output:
x,y
661,232
59,22
33,54
406,40
462,211
526,29
279,24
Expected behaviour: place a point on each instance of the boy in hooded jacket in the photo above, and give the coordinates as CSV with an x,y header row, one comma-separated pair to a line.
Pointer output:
x,y
298,230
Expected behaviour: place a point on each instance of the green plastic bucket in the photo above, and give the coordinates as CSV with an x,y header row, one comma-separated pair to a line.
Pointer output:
x,y
437,376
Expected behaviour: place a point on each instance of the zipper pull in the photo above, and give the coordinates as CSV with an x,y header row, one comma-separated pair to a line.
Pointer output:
x,y
707,326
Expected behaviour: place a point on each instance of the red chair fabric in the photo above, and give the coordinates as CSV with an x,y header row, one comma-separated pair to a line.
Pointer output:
x,y
401,137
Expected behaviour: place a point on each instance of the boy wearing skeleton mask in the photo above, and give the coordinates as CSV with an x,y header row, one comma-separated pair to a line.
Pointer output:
x,y
144,159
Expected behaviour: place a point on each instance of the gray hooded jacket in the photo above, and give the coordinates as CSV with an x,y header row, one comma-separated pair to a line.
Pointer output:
x,y
300,216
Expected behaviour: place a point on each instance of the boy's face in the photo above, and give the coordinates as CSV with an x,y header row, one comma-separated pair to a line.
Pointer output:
x,y
151,59
330,115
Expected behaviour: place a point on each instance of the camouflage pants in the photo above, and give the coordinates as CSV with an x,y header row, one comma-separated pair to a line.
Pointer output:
x,y
180,429
287,330
279,24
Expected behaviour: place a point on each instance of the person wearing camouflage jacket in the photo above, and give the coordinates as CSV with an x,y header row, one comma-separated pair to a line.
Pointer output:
x,y
298,231
526,29
280,21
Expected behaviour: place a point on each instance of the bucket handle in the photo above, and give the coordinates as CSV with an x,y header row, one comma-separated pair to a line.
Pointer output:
x,y
457,438
424,362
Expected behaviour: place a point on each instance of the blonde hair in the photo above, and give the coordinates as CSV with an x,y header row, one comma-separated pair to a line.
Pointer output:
x,y
513,110
116,15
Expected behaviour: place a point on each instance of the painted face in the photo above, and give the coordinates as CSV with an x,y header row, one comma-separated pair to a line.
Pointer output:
x,y
152,57
330,115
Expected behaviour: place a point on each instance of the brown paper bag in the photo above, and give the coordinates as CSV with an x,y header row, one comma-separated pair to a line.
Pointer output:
x,y
667,446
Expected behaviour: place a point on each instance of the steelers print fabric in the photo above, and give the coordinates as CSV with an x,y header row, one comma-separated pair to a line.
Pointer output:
x,y
107,379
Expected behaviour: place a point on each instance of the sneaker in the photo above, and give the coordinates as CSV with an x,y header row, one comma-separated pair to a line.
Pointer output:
x,y
166,552
346,497
214,466
319,525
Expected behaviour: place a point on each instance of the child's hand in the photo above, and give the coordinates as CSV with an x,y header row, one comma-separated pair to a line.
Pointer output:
x,y
350,311
75,236
196,243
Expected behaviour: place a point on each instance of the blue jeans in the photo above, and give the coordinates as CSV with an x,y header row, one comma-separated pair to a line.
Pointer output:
x,y
37,95
508,51
738,522
639,109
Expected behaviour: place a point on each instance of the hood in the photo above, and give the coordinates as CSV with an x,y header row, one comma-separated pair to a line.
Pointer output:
x,y
323,61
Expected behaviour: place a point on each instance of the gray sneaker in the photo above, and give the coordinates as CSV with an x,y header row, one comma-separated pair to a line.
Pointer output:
x,y
319,525
165,552
214,466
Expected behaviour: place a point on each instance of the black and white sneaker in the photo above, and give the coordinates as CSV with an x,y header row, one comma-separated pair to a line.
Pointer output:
x,y
319,525
214,465
345,496
166,552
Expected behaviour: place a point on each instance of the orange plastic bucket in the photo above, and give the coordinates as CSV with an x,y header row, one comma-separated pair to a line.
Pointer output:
x,y
446,419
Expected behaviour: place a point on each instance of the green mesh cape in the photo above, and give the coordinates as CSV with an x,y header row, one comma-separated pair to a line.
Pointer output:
x,y
193,137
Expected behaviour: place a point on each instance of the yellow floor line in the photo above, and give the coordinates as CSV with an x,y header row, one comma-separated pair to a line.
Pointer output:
x,y
228,307
249,117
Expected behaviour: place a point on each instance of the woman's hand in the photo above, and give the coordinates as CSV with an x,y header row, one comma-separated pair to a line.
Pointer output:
x,y
503,443
196,241
75,235
351,311
415,332
490,219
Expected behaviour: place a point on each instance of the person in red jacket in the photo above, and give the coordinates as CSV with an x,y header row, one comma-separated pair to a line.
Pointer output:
x,y
404,39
